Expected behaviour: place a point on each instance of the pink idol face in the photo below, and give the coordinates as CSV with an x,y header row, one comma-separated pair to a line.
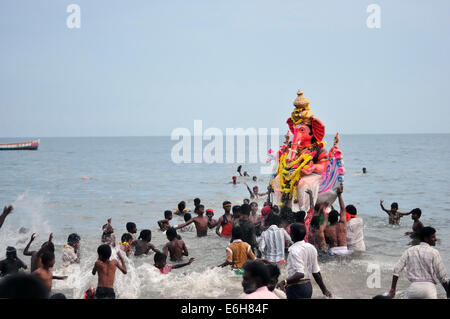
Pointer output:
x,y
301,134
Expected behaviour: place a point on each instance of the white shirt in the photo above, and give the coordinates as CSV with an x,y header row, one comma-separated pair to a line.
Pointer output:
x,y
303,259
423,263
272,243
355,235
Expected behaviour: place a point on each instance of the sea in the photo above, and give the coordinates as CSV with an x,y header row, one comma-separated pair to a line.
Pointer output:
x,y
75,184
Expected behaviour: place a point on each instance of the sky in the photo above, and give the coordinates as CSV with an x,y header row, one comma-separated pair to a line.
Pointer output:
x,y
139,68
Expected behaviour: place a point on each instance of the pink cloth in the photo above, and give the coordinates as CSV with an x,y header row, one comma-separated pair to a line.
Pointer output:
x,y
166,269
261,293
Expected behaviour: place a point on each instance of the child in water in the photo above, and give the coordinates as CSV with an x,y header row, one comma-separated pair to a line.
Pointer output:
x,y
143,245
175,247
164,223
125,244
45,272
108,236
164,268
189,228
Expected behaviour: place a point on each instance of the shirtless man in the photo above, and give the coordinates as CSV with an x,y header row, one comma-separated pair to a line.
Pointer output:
x,y
45,271
175,247
108,236
254,218
201,222
416,227
164,224
336,232
142,245
224,221
106,272
394,214
317,235
36,255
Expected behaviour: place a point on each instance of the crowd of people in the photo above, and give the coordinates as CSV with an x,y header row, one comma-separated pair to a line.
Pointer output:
x,y
261,242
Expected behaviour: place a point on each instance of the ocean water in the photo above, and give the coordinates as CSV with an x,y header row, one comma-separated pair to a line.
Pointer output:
x,y
134,179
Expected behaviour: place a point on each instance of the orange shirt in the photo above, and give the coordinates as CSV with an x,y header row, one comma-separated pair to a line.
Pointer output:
x,y
239,252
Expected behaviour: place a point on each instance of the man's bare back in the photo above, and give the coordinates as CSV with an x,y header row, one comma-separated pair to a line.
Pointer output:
x,y
46,276
336,235
177,249
106,272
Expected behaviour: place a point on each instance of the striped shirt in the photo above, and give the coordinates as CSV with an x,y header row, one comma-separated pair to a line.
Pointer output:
x,y
423,263
272,243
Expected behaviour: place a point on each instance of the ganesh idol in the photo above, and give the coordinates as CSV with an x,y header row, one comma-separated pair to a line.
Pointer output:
x,y
303,162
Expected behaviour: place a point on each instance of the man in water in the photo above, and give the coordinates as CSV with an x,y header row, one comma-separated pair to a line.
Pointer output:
x,y
201,222
106,272
424,268
255,193
108,236
301,261
12,263
247,227
416,227
234,181
224,221
45,272
355,226
71,250
211,221
255,280
131,229
164,267
317,234
364,170
336,232
175,247
164,224
238,252
6,211
272,240
36,255
394,214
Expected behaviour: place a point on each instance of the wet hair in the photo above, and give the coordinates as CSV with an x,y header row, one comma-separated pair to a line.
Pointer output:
x,y
417,212
315,222
275,209
73,238
254,178
236,209
426,232
130,226
394,205
47,246
159,257
333,216
197,201
47,257
58,296
104,251
351,209
258,271
236,233
171,233
246,209
246,201
22,286
253,203
187,216
126,238
146,234
167,213
182,206
299,217
274,271
298,232
287,214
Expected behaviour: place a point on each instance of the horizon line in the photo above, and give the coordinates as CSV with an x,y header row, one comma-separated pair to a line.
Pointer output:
x,y
164,135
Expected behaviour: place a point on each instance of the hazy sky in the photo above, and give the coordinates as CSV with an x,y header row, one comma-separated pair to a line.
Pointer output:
x,y
147,67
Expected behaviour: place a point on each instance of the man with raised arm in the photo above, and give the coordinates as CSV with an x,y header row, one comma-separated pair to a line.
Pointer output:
x,y
336,232
394,214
